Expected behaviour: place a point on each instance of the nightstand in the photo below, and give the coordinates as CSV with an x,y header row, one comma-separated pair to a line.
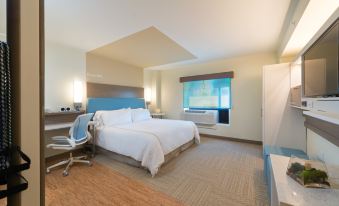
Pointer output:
x,y
158,115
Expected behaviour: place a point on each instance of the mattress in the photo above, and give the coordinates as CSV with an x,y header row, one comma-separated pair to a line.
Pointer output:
x,y
147,141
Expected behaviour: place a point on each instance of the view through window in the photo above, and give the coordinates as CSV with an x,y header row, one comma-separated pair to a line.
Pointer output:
x,y
212,94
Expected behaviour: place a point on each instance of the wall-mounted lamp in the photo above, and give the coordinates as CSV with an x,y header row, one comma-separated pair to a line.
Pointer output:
x,y
77,94
148,96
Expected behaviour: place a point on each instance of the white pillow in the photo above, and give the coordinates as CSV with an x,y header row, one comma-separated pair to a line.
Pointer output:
x,y
97,117
116,117
140,115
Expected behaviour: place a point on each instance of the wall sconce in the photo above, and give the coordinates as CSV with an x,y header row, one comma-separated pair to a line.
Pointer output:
x,y
148,97
77,94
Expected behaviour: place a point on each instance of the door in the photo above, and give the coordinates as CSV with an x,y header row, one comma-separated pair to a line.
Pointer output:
x,y
276,88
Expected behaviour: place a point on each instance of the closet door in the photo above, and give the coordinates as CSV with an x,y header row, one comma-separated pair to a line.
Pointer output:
x,y
276,88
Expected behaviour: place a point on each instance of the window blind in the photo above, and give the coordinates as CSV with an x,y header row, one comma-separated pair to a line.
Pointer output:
x,y
208,94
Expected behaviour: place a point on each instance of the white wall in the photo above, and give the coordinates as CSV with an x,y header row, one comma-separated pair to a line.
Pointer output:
x,y
107,71
245,116
152,81
62,65
296,74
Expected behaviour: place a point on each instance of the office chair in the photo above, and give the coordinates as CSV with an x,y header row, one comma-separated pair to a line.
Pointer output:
x,y
78,135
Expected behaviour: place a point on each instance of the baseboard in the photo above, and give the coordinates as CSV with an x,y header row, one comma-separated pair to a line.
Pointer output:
x,y
232,139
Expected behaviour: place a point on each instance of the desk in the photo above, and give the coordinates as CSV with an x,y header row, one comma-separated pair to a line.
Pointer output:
x,y
285,191
57,126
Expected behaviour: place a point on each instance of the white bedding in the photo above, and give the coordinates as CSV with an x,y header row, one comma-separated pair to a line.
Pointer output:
x,y
147,141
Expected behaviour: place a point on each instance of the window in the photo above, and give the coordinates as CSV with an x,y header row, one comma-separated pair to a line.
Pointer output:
x,y
211,94
208,94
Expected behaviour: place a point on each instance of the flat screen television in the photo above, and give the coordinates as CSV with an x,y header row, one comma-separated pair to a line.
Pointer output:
x,y
320,65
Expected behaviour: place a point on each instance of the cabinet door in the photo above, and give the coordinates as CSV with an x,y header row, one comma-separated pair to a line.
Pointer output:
x,y
276,88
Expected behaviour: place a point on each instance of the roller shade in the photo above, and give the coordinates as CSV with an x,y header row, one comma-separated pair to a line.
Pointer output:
x,y
208,94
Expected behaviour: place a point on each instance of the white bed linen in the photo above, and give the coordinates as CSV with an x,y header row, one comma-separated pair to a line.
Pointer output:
x,y
147,141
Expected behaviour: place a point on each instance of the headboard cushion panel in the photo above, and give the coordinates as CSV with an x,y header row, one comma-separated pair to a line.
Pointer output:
x,y
95,104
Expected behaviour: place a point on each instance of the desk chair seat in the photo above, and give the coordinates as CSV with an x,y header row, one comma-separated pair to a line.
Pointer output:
x,y
78,135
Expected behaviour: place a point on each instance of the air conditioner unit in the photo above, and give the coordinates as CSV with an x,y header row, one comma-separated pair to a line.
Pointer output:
x,y
201,117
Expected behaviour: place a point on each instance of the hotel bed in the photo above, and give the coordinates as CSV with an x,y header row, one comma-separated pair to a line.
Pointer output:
x,y
132,136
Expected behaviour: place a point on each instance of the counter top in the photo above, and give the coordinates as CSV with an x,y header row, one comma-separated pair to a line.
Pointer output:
x,y
292,193
325,116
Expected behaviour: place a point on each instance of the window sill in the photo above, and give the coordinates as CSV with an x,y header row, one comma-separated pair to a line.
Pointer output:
x,y
223,124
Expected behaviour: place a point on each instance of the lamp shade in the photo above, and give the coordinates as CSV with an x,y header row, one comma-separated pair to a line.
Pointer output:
x,y
77,91
148,95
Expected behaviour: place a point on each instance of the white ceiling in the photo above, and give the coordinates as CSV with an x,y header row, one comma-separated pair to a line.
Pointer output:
x,y
314,16
209,29
146,48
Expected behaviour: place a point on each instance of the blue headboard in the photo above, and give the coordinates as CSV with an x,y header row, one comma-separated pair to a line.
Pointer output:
x,y
112,103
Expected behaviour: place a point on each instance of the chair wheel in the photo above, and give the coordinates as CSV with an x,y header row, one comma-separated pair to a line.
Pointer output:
x,y
65,173
48,171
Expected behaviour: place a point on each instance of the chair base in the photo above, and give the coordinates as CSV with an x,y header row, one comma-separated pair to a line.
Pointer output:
x,y
70,161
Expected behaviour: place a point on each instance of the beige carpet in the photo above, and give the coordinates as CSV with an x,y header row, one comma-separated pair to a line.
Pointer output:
x,y
216,172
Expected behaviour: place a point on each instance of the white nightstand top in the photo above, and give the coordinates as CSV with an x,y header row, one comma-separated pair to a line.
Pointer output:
x,y
158,114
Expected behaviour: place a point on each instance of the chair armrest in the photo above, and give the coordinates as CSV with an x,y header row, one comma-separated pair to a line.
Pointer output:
x,y
59,146
61,141
54,145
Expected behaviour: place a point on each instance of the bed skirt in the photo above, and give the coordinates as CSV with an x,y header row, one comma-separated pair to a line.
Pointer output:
x,y
136,163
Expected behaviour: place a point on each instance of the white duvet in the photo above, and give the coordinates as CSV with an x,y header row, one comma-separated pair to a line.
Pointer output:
x,y
147,141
